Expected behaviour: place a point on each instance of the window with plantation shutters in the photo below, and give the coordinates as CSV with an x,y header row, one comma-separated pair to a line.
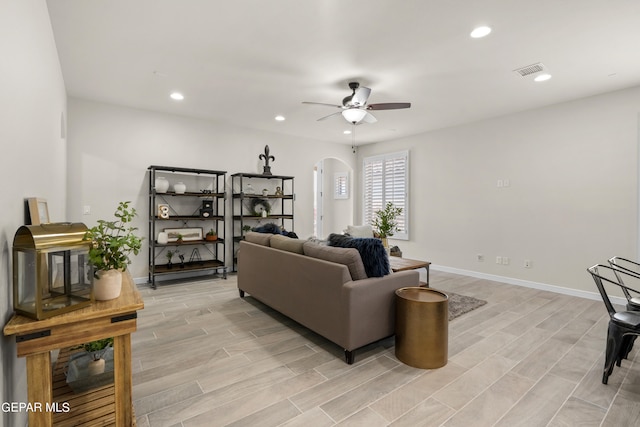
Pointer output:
x,y
385,179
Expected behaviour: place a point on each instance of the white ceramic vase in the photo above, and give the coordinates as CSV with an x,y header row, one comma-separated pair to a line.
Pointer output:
x,y
108,286
162,185
179,188
163,238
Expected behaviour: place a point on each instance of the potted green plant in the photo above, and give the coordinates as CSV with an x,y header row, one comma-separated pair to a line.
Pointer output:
x,y
170,255
211,235
385,221
113,242
96,350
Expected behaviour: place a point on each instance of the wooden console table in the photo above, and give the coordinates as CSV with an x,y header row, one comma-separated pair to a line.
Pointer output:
x,y
403,264
36,338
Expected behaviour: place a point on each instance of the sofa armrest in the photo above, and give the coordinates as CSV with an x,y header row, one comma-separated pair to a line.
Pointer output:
x,y
371,306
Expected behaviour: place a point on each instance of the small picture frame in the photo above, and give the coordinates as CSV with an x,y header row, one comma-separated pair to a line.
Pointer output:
x,y
341,185
38,211
188,234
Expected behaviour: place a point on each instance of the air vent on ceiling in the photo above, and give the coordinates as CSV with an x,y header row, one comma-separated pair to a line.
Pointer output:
x,y
530,69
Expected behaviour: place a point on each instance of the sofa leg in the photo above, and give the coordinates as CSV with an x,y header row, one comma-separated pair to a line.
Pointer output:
x,y
241,293
349,357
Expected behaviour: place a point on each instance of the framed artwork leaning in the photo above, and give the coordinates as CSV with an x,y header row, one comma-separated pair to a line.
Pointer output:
x,y
38,211
188,234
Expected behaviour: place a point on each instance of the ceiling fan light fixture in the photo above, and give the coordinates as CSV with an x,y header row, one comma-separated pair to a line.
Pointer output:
x,y
354,115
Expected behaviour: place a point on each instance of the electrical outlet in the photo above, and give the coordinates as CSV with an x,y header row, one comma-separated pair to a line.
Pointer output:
x,y
505,260
527,263
498,260
86,210
480,258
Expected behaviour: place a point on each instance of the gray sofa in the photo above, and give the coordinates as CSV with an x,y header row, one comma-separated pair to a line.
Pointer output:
x,y
323,288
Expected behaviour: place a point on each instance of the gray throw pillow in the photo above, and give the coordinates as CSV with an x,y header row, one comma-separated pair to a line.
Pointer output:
x,y
349,257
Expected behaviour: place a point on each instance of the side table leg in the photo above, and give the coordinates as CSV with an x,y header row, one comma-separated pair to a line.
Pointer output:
x,y
39,388
428,277
123,381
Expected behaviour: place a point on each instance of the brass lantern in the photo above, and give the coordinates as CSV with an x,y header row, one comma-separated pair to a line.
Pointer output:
x,y
50,271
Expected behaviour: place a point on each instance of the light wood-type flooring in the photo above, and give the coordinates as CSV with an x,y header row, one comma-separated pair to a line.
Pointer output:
x,y
204,357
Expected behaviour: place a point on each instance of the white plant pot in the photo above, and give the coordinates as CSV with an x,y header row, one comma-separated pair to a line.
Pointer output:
x,y
96,367
108,286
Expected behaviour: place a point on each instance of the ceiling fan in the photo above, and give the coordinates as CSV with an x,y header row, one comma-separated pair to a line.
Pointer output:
x,y
355,108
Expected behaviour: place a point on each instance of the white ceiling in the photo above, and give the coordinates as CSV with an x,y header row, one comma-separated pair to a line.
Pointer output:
x,y
246,61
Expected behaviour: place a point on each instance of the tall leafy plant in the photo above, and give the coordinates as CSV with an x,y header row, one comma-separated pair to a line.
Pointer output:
x,y
113,241
385,220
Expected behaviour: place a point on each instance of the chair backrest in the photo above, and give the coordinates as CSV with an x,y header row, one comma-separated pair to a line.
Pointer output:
x,y
605,274
596,272
627,265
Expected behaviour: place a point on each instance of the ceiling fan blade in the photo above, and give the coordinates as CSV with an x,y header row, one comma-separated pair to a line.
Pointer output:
x,y
322,103
360,97
389,106
369,118
330,115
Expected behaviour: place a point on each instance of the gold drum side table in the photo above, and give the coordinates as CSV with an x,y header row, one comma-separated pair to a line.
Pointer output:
x,y
422,327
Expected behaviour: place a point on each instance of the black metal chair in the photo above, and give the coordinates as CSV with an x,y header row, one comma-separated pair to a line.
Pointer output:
x,y
631,267
624,326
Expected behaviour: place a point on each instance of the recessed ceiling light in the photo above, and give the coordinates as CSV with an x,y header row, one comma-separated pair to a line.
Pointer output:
x,y
542,78
176,96
347,132
280,118
480,32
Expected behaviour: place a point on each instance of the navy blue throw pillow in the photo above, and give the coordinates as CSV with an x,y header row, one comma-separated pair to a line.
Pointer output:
x,y
374,256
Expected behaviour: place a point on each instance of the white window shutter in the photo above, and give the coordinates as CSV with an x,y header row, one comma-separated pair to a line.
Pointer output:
x,y
385,179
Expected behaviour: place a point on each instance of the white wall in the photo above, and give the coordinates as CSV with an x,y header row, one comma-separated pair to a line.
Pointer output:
x,y
111,147
572,200
33,157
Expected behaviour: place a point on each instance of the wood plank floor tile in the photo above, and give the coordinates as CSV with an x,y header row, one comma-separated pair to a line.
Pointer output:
x,y
490,405
409,396
203,356
426,414
576,412
540,404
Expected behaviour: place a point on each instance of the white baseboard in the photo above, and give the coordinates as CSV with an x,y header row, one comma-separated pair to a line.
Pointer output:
x,y
528,284
173,277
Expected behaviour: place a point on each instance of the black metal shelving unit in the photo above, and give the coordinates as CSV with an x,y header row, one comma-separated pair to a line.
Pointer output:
x,y
281,204
184,211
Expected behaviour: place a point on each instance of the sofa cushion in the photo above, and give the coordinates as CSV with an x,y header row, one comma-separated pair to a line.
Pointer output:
x,y
372,252
286,244
359,231
258,238
347,256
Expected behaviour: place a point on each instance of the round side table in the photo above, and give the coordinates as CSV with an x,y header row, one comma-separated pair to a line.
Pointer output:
x,y
422,327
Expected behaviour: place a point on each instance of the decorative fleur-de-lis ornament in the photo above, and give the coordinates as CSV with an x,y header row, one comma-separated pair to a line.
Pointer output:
x,y
266,169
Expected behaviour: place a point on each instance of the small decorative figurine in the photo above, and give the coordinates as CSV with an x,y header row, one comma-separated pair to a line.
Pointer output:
x,y
279,191
266,169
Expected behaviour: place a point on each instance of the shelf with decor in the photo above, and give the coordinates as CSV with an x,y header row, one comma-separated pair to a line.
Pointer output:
x,y
186,210
260,199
